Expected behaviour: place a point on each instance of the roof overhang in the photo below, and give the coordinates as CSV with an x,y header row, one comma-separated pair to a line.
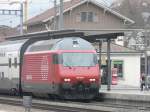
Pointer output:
x,y
87,35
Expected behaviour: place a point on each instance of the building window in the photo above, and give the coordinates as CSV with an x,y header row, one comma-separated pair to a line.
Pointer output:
x,y
148,42
87,17
90,16
15,62
83,16
119,66
9,62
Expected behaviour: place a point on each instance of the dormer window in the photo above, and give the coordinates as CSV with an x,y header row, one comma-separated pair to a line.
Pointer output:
x,y
83,16
90,17
87,17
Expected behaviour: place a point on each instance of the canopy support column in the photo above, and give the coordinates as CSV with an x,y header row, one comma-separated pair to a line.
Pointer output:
x,y
109,78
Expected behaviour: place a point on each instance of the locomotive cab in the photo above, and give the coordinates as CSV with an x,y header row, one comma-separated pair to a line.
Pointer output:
x,y
79,74
77,66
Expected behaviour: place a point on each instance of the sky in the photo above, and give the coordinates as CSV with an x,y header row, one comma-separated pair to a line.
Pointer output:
x,y
35,7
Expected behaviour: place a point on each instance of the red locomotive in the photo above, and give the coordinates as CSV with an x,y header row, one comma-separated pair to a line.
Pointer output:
x,y
66,67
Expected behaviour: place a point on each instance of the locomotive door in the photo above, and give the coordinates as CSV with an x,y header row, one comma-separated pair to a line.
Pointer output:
x,y
53,68
54,74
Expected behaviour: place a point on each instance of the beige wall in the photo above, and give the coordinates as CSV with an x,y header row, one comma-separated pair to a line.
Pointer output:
x,y
103,20
36,28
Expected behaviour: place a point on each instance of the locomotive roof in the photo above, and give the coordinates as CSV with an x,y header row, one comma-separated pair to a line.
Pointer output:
x,y
74,43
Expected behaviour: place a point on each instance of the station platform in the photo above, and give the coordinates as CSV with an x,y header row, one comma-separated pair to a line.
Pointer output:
x,y
122,93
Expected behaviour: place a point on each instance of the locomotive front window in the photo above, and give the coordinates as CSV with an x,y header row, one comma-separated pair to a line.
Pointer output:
x,y
79,59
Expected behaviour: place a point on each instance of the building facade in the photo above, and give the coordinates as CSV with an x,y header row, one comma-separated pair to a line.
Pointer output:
x,y
128,66
91,15
80,14
127,62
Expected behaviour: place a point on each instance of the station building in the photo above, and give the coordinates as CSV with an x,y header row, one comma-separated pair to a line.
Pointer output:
x,y
127,62
87,15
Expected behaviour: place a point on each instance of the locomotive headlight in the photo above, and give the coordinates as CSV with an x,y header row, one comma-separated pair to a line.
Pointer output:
x,y
67,80
92,80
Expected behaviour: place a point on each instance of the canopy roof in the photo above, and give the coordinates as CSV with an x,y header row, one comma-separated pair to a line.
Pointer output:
x,y
91,36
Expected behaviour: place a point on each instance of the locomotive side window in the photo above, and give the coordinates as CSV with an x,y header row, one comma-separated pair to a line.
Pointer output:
x,y
9,60
15,62
57,59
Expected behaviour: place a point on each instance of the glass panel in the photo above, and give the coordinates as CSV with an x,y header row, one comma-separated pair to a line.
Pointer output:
x,y
119,66
57,59
9,60
90,16
83,16
115,65
15,62
79,59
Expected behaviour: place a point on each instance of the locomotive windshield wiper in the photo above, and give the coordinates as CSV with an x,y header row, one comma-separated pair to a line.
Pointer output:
x,y
67,65
70,67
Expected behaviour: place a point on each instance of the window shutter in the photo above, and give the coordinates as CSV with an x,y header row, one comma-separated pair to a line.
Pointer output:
x,y
95,17
78,17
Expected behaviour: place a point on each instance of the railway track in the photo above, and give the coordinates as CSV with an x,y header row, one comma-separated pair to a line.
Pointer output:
x,y
124,107
54,106
69,106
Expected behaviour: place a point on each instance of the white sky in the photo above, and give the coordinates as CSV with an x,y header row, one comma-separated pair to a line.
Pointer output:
x,y
35,7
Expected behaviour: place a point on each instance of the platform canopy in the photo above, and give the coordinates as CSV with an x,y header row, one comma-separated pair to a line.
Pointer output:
x,y
89,35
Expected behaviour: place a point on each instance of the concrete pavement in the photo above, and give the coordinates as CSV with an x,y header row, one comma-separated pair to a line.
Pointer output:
x,y
125,93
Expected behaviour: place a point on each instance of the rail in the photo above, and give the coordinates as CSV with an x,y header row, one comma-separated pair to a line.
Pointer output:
x,y
53,105
76,106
